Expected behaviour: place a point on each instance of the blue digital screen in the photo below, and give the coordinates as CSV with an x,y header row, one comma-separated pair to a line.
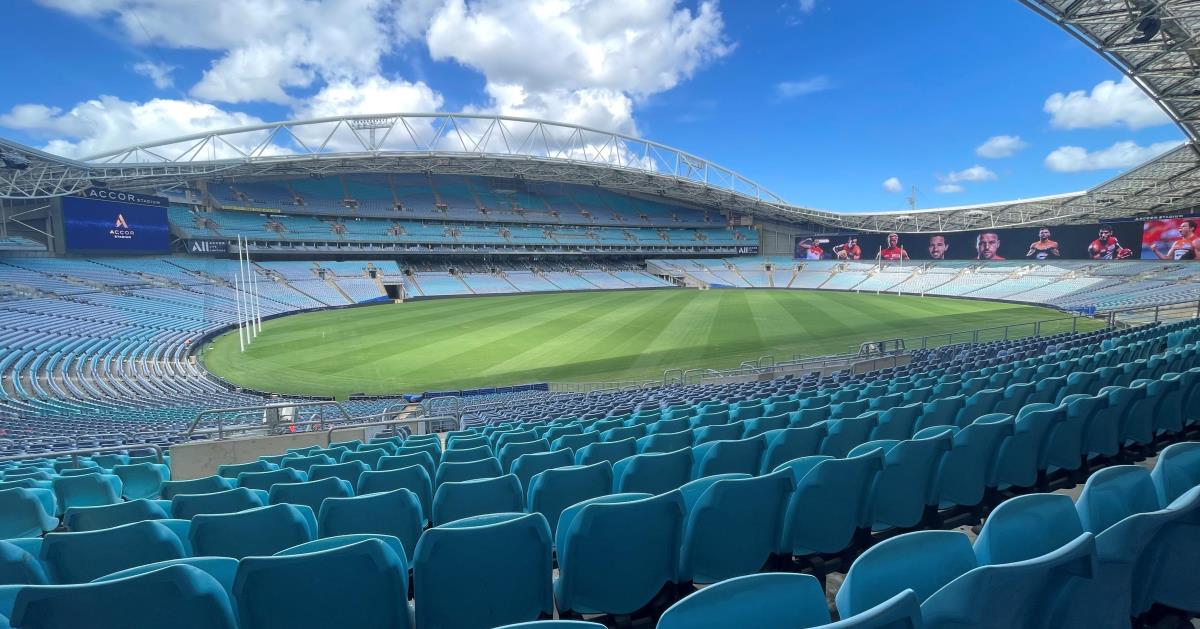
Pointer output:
x,y
102,225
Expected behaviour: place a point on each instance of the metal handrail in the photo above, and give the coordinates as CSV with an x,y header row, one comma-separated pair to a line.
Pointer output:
x,y
262,407
392,422
74,454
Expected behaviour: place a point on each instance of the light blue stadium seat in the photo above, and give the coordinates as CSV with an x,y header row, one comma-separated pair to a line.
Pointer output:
x,y
897,422
611,451
718,432
556,489
80,471
507,558
19,566
758,601
1022,456
741,456
310,493
348,471
844,434
575,442
261,531
941,412
653,472
189,597
333,452
907,481
27,512
665,441
222,569
205,485
965,471
526,466
554,624
623,432
81,557
457,500
838,489
977,405
91,490
474,470
142,480
302,463
617,552
369,458
264,480
467,455
81,519
404,460
396,513
108,461
759,425
668,426
791,443
516,436
185,506
1014,399
732,526
413,478
467,443
1176,471
363,584
710,418
232,470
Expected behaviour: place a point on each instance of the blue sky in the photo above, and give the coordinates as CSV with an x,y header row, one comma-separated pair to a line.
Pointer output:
x,y
821,101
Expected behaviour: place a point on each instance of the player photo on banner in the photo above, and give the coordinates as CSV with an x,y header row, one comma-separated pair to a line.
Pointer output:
x,y
1175,239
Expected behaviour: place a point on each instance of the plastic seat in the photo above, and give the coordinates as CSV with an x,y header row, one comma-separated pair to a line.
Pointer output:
x,y
412,478
941,412
719,432
844,434
574,442
141,480
791,443
459,472
510,452
849,409
91,490
906,482
185,506
369,458
363,584
897,422
232,471
653,472
977,405
205,485
264,480
463,442
526,466
964,475
838,489
664,442
188,596
623,432
82,519
81,557
506,557
1014,399
1047,390
759,425
302,463
732,524
1022,455
396,513
611,451
556,489
310,493
19,565
668,426
554,624
457,500
616,553
518,436
261,531
1176,471
404,460
467,455
348,471
333,452
742,456
24,513
809,415
758,601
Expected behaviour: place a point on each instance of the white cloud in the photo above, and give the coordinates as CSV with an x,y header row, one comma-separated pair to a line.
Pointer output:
x,y
1072,159
159,73
375,95
108,122
1109,104
999,146
793,89
949,188
807,6
893,185
974,173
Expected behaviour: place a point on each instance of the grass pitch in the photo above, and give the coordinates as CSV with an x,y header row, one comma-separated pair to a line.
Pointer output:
x,y
484,341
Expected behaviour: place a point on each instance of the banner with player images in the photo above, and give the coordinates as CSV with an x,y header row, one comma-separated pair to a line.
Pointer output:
x,y
1108,241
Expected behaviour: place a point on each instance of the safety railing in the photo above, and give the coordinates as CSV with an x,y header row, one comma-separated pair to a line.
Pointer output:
x,y
261,411
75,454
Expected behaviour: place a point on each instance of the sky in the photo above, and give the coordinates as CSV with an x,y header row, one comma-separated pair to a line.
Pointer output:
x,y
843,105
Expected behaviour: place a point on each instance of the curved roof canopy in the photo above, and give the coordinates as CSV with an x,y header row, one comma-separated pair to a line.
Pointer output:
x,y
1152,41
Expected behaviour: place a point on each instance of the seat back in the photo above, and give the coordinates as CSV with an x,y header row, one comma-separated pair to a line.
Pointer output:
x,y
466,455
908,480
611,451
459,472
771,600
413,478
310,493
740,456
653,472
526,466
184,506
81,519
457,500
396,513
1176,471
264,480
348,471
232,470
791,443
839,490
665,441
897,422
964,474
262,531
81,557
26,512
733,526
922,562
511,452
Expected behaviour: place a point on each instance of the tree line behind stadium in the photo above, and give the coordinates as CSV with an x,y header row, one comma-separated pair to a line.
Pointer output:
x,y
1169,238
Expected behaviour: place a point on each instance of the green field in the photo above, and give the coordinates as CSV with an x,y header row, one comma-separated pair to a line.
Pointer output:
x,y
484,341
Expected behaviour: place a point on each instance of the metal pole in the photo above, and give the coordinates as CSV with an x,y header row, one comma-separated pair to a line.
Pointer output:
x,y
237,300
257,299
244,266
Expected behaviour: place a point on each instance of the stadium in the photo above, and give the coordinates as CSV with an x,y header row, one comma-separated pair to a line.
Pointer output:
x,y
472,370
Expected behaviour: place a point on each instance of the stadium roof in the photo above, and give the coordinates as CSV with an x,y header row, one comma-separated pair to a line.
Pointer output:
x,y
1154,42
